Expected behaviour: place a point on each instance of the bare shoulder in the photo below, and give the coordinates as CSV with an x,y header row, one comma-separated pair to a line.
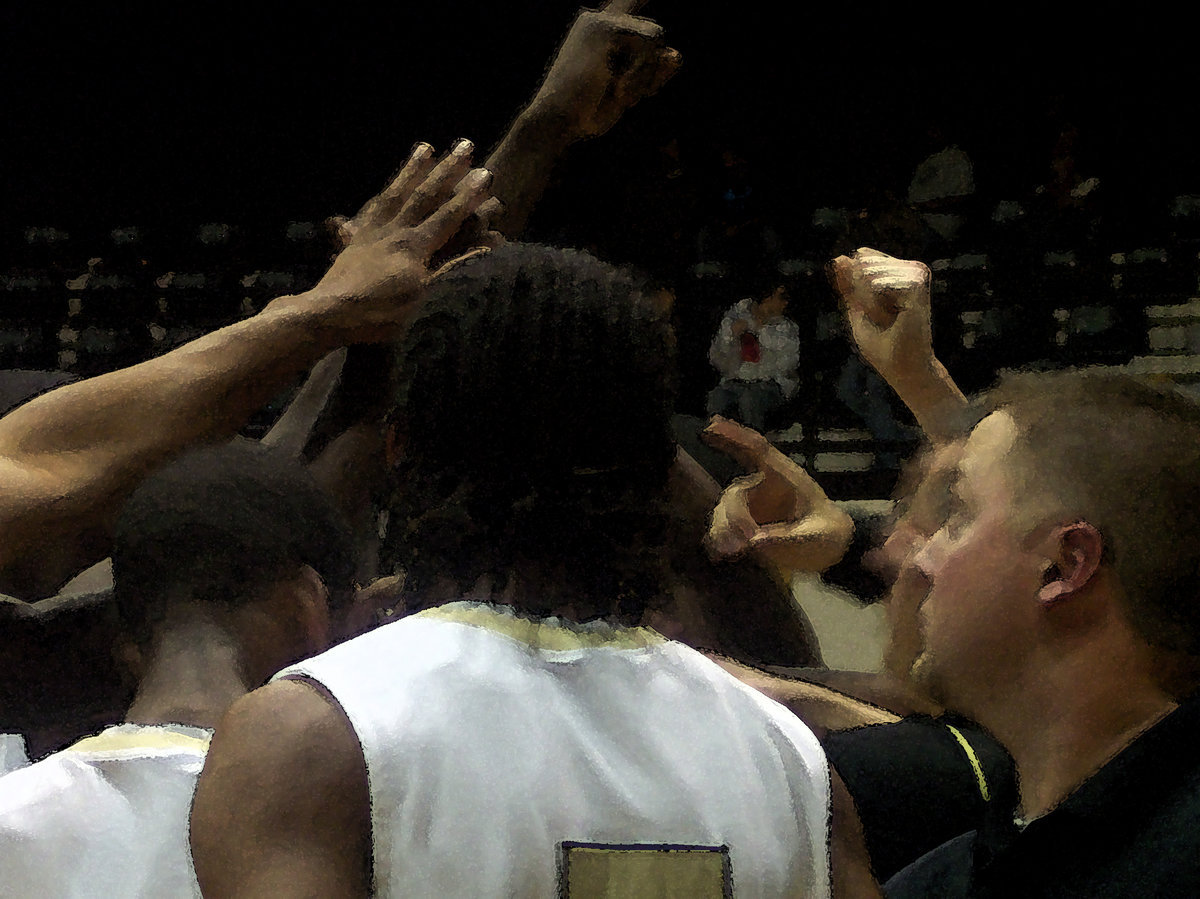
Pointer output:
x,y
289,707
283,794
287,732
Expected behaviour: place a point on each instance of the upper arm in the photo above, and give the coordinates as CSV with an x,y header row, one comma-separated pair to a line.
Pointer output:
x,y
34,503
282,807
850,864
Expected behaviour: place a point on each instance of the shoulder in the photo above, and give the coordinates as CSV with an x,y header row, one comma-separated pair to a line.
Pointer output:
x,y
745,703
283,798
55,803
290,725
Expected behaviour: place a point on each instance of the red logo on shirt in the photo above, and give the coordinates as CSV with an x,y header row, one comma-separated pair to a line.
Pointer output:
x,y
751,350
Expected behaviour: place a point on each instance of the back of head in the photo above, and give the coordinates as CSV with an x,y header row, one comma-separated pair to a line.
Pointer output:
x,y
220,525
533,401
1123,455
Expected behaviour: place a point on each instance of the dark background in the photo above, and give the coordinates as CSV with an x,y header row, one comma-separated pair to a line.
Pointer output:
x,y
111,116
171,119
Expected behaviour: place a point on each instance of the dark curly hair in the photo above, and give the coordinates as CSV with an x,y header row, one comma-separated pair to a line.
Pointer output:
x,y
219,525
533,396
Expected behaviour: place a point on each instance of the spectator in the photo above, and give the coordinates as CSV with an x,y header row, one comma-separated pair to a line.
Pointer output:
x,y
756,350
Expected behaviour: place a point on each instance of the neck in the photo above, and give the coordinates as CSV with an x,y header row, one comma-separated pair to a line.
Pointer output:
x,y
193,677
524,593
1070,723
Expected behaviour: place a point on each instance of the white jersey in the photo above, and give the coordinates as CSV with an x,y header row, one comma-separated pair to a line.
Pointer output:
x,y
107,817
508,757
12,753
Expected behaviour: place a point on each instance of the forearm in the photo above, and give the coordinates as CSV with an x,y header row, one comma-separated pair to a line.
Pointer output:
x,y
724,352
72,454
204,390
820,707
933,398
521,166
293,431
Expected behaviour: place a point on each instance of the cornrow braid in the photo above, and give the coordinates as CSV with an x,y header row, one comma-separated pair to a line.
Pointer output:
x,y
534,396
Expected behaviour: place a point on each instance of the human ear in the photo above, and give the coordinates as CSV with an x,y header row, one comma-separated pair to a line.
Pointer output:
x,y
312,600
1075,558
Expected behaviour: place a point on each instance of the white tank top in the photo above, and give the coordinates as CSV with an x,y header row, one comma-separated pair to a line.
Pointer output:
x,y
107,817
508,757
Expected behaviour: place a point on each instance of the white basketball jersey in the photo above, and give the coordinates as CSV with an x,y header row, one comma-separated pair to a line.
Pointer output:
x,y
107,817
515,757
12,753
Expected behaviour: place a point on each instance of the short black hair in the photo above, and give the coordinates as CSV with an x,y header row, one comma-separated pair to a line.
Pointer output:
x,y
219,525
763,283
534,395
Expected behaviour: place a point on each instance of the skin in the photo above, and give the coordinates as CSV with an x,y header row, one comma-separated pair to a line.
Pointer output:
x,y
887,306
69,458
1024,628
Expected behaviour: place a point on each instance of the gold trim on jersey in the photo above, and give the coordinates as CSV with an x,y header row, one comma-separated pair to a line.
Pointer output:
x,y
973,758
551,634
118,740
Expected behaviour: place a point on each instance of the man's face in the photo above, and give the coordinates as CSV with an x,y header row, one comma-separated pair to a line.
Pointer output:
x,y
919,515
978,617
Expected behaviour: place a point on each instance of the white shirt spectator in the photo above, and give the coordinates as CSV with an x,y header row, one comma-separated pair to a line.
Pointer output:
x,y
746,350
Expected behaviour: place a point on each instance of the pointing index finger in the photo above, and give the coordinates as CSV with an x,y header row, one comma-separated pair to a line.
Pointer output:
x,y
746,446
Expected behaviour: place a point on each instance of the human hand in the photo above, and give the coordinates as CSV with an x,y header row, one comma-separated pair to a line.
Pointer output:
x,y
371,288
380,601
886,301
609,61
777,513
475,231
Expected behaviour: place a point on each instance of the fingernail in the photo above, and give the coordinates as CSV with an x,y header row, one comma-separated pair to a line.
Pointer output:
x,y
463,148
479,178
421,150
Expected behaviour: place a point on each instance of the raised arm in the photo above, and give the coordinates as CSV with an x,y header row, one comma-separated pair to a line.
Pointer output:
x,y
887,304
609,60
68,457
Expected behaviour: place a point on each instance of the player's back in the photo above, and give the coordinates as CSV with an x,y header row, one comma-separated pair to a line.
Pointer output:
x,y
106,817
504,753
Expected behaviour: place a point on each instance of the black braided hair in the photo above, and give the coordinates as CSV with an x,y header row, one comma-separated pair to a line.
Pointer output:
x,y
533,398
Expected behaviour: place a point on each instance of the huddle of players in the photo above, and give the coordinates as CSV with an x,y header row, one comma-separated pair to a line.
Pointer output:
x,y
525,732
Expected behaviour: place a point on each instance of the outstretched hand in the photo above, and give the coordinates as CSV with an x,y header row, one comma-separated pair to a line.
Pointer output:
x,y
886,301
610,59
776,513
373,283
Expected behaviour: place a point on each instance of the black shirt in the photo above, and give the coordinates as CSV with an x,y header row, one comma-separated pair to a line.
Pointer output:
x,y
1132,829
918,782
